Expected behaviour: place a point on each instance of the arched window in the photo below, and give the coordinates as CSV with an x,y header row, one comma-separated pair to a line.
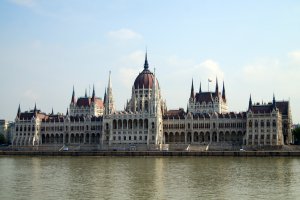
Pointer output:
x,y
114,124
141,105
262,123
274,123
146,106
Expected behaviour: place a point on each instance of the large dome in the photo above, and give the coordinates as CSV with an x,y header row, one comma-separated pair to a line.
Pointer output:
x,y
145,78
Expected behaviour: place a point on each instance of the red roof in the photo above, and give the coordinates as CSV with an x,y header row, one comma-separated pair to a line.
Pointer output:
x,y
87,102
144,79
205,97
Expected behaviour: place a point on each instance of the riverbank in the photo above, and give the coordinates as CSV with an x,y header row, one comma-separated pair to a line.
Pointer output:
x,y
154,153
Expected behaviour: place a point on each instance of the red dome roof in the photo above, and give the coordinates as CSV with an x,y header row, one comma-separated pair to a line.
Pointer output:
x,y
145,78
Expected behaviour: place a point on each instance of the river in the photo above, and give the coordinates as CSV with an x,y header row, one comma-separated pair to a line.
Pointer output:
x,y
149,178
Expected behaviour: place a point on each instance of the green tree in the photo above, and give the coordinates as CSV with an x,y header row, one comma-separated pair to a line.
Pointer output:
x,y
2,139
296,133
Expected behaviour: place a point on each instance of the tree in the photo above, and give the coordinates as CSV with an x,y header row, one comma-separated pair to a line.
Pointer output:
x,y
296,133
2,139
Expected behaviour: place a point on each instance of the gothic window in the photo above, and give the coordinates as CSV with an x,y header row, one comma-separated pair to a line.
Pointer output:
x,y
268,123
274,123
152,124
250,123
141,105
262,123
146,106
256,123
146,124
119,124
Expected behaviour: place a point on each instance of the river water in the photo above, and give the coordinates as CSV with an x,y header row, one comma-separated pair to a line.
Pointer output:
x,y
149,178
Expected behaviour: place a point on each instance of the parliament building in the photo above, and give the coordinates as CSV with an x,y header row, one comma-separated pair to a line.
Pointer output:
x,y
145,123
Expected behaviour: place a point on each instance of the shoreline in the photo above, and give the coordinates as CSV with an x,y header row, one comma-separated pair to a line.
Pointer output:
x,y
155,153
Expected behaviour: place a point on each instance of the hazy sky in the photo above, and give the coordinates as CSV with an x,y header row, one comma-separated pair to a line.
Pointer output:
x,y
46,47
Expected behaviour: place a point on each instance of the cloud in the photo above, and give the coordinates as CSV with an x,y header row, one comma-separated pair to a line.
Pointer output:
x,y
189,69
24,3
211,69
266,76
262,70
124,34
135,58
132,65
127,76
294,56
31,95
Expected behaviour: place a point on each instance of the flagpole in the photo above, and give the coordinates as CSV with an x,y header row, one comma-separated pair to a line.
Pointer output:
x,y
208,80
208,84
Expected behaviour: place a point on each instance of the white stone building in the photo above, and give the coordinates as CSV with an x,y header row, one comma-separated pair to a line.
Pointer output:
x,y
146,123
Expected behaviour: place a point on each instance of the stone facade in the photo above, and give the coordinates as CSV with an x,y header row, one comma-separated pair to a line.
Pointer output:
x,y
145,120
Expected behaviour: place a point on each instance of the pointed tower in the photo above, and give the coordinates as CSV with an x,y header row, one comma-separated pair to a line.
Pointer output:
x,y
85,94
223,92
109,101
192,96
274,102
67,114
104,99
93,95
73,100
52,113
217,86
154,93
146,65
34,110
200,90
19,111
250,103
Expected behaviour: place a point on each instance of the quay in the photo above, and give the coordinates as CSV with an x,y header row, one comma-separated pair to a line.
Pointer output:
x,y
154,153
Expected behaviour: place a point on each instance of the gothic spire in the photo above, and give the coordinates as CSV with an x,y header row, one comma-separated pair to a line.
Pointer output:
x,y
192,90
73,96
52,113
85,95
274,101
104,99
200,90
146,65
217,86
34,110
93,95
109,101
67,112
109,81
250,103
19,111
223,92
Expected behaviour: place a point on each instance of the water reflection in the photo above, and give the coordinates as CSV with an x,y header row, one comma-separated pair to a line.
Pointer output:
x,y
149,178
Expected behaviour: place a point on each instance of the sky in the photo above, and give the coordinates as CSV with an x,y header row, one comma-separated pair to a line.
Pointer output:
x,y
47,47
